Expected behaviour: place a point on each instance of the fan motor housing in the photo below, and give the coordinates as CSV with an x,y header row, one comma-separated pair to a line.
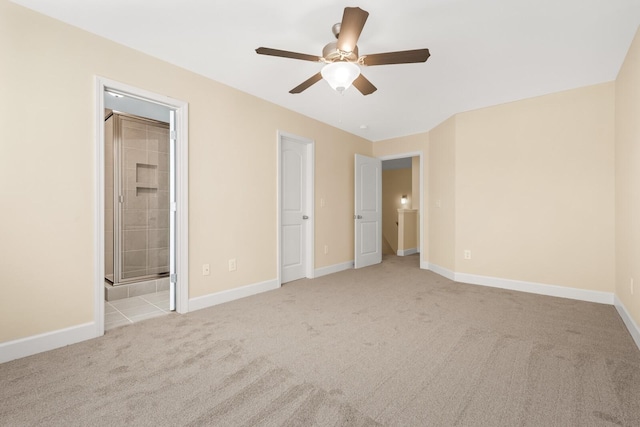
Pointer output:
x,y
331,53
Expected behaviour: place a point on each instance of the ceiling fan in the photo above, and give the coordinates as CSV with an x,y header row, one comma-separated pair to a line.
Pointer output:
x,y
341,58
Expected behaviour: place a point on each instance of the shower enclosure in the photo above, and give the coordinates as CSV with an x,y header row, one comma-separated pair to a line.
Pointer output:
x,y
137,226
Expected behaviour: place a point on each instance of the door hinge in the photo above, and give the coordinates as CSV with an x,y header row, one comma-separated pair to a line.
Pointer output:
x,y
173,278
174,206
173,135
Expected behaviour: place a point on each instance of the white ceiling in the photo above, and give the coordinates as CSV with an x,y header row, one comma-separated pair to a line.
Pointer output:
x,y
483,52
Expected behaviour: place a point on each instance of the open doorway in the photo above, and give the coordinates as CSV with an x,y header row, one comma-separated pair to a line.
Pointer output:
x,y
141,209
137,210
402,207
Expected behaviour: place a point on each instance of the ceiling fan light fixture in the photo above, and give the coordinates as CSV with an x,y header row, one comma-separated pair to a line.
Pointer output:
x,y
340,75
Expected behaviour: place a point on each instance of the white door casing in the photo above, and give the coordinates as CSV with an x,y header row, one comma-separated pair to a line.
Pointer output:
x,y
368,211
422,248
173,134
181,174
296,208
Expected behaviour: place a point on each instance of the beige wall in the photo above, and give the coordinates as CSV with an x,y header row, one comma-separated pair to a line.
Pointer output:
x,y
441,200
395,183
47,172
535,189
627,143
523,185
407,223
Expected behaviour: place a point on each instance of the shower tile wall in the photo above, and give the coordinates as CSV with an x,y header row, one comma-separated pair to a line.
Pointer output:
x,y
145,187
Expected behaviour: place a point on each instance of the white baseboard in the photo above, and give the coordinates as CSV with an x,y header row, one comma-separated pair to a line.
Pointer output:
x,y
335,268
440,270
520,285
35,344
221,297
537,288
631,325
407,252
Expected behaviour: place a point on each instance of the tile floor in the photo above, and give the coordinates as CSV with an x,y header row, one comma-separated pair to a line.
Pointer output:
x,y
131,310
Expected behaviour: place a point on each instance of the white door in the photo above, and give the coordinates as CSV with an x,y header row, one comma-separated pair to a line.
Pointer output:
x,y
368,207
295,217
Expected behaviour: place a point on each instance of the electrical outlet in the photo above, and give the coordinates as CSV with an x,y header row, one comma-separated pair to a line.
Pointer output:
x,y
438,203
322,204
631,285
205,270
232,265
467,254
326,249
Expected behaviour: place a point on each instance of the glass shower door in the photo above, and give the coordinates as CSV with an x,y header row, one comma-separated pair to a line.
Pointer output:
x,y
143,244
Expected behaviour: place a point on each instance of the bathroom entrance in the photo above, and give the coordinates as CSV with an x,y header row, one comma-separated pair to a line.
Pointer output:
x,y
137,209
142,209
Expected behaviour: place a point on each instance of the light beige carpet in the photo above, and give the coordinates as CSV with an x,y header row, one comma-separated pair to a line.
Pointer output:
x,y
386,345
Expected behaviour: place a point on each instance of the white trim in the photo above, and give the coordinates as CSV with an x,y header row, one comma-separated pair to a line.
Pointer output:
x,y
335,268
406,252
310,190
98,222
439,270
522,286
537,288
35,344
182,214
182,187
424,265
631,325
421,212
221,297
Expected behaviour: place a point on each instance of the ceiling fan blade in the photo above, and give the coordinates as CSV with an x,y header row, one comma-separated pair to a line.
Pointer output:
x,y
401,57
287,54
364,85
307,83
353,21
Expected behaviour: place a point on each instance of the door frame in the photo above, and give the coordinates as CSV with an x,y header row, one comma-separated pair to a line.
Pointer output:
x,y
182,197
310,199
421,213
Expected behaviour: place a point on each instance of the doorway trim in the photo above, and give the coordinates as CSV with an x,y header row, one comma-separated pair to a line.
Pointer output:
x,y
310,190
182,197
421,213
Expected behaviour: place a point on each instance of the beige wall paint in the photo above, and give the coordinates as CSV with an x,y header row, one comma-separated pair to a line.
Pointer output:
x,y
47,172
395,183
627,109
441,201
535,189
407,224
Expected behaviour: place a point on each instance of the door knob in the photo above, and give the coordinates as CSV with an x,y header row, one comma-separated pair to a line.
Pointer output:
x,y
305,217
357,217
